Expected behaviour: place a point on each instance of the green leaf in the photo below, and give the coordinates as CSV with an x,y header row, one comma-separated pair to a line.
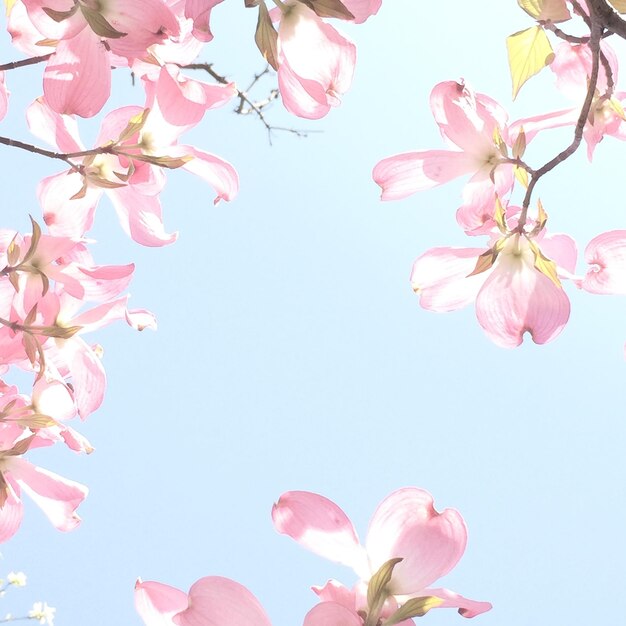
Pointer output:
x,y
266,37
329,8
59,16
377,585
529,52
99,25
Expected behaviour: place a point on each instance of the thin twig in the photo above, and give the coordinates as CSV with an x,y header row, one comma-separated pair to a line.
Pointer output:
x,y
257,107
24,62
594,44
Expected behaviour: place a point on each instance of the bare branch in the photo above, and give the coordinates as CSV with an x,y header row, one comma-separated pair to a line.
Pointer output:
x,y
24,62
246,105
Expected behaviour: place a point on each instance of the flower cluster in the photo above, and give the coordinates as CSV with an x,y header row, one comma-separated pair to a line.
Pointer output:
x,y
409,546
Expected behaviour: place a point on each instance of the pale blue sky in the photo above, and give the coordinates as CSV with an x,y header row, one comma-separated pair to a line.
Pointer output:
x,y
292,354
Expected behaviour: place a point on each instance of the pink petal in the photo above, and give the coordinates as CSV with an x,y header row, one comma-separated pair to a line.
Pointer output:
x,y
140,216
401,175
57,497
296,94
319,525
441,278
406,525
606,254
63,215
362,9
315,51
77,79
10,515
60,131
452,600
217,601
157,603
517,298
220,174
332,614
200,12
466,119
88,376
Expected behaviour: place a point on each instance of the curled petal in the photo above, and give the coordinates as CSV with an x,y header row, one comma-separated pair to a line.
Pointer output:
x,y
465,118
406,525
401,175
200,12
319,525
606,254
303,98
220,174
452,600
140,216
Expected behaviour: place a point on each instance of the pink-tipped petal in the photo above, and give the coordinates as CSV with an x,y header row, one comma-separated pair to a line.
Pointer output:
x,y
63,215
401,175
319,525
406,525
217,601
157,603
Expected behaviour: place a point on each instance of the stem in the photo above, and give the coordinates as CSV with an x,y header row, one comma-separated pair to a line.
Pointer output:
x,y
594,43
24,62
14,143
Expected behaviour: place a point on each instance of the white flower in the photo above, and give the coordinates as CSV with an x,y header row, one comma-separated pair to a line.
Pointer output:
x,y
42,612
18,579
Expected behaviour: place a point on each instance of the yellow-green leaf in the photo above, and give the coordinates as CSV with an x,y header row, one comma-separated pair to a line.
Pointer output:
x,y
415,607
529,52
500,217
545,265
543,10
519,147
522,175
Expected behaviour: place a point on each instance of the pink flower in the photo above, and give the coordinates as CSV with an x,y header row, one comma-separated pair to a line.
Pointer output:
x,y
57,497
316,63
474,126
211,601
512,296
405,525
